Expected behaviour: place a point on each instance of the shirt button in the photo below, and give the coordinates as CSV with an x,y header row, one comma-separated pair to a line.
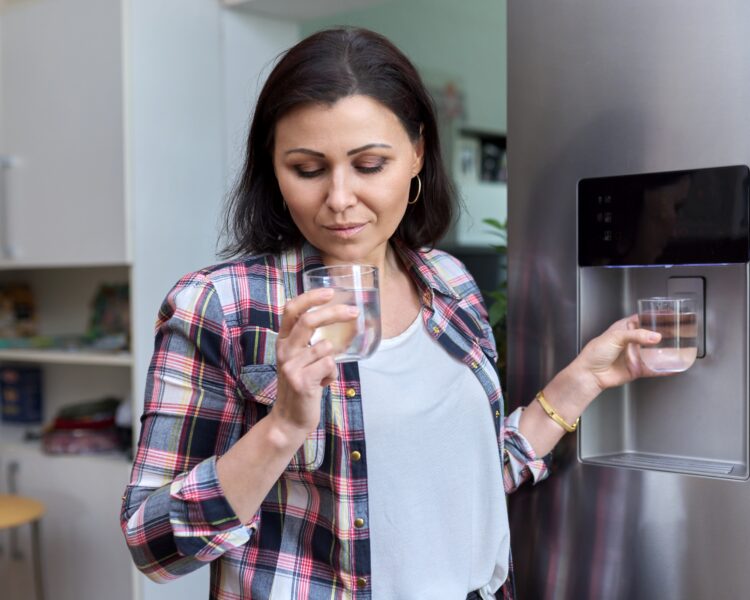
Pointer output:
x,y
436,330
359,522
474,364
497,413
361,582
355,456
426,297
351,392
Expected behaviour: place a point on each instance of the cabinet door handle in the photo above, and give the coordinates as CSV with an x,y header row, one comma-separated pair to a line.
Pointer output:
x,y
6,250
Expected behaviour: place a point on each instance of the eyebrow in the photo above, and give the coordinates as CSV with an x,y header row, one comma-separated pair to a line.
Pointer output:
x,y
349,153
366,147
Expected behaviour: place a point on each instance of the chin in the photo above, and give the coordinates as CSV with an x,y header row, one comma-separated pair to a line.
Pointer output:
x,y
350,253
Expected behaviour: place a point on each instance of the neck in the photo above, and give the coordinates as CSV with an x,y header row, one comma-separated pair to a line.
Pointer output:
x,y
387,262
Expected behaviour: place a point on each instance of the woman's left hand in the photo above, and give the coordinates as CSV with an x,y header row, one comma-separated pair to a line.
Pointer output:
x,y
612,358
609,360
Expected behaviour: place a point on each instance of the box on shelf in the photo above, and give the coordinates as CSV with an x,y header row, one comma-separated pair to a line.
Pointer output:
x,y
17,310
20,394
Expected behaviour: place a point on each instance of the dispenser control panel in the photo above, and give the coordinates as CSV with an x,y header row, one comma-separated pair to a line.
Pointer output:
x,y
689,217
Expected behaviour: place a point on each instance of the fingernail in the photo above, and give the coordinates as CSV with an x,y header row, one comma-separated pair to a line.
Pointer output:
x,y
654,337
352,310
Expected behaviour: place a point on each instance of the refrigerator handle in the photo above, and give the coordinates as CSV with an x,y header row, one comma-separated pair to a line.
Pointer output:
x,y
6,250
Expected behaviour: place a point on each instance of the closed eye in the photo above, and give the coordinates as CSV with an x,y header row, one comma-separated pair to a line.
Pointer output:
x,y
368,170
308,174
368,165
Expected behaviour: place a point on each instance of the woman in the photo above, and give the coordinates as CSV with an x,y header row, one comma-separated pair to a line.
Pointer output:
x,y
297,477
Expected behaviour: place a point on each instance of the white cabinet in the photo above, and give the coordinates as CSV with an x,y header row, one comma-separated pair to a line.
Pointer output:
x,y
82,547
80,533
113,115
62,133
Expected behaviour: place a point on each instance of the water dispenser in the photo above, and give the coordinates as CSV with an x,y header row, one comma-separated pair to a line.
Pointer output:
x,y
679,233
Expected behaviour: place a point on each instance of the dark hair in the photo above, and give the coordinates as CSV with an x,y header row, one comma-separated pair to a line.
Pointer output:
x,y
323,68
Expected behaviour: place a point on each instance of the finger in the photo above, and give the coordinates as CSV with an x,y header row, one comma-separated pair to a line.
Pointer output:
x,y
324,371
298,306
311,367
633,321
306,324
624,323
293,369
643,337
306,357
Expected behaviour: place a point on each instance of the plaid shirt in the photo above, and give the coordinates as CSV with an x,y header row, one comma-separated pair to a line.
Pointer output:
x,y
213,375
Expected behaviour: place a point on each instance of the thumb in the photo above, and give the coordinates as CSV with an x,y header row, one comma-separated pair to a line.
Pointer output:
x,y
644,337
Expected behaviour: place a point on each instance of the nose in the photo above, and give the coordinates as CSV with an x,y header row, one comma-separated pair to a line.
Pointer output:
x,y
341,194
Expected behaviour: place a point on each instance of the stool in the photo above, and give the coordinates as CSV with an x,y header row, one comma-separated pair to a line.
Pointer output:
x,y
16,511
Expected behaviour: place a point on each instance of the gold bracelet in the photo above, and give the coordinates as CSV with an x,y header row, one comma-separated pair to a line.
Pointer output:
x,y
552,414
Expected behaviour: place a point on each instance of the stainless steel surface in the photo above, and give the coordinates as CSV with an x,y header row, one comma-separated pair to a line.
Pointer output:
x,y
654,420
602,88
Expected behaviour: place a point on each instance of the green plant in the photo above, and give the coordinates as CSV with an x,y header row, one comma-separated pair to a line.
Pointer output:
x,y
498,308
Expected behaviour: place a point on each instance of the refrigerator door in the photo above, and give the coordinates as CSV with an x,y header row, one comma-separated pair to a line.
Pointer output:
x,y
598,89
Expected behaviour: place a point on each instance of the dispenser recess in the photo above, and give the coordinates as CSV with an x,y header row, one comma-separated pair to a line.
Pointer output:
x,y
657,234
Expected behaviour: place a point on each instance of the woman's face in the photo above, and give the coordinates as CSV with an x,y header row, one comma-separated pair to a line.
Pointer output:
x,y
345,171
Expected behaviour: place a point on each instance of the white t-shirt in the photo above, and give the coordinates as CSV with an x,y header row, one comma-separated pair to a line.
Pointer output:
x,y
438,518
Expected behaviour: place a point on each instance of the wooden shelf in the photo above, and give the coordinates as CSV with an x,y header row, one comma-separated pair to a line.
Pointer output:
x,y
67,357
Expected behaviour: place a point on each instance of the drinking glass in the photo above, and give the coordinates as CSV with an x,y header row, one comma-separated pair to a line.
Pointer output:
x,y
675,319
354,285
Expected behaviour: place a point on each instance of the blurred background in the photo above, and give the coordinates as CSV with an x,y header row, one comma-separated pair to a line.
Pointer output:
x,y
122,127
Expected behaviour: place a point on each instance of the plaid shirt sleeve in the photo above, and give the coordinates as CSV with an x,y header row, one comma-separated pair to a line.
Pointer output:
x,y
175,516
519,459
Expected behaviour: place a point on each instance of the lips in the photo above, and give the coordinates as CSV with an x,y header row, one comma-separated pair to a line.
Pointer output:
x,y
346,230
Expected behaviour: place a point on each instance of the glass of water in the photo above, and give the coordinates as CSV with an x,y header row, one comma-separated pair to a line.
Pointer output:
x,y
354,285
675,319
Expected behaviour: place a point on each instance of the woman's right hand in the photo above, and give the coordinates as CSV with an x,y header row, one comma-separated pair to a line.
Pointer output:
x,y
303,370
249,469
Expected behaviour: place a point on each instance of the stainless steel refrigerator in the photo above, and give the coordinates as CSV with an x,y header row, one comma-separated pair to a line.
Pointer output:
x,y
651,498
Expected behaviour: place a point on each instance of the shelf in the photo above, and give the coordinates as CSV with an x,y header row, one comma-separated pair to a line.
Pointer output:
x,y
19,448
67,357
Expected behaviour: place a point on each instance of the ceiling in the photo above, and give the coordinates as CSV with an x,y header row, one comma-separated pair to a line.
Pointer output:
x,y
303,9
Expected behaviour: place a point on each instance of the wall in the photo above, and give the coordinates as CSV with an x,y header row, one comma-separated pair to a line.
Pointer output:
x,y
447,40
192,74
251,43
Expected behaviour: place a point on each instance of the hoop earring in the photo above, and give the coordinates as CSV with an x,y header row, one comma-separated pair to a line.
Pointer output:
x,y
419,191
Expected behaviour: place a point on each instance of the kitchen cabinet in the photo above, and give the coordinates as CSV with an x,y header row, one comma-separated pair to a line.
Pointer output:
x,y
113,170
62,133
79,532
81,539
